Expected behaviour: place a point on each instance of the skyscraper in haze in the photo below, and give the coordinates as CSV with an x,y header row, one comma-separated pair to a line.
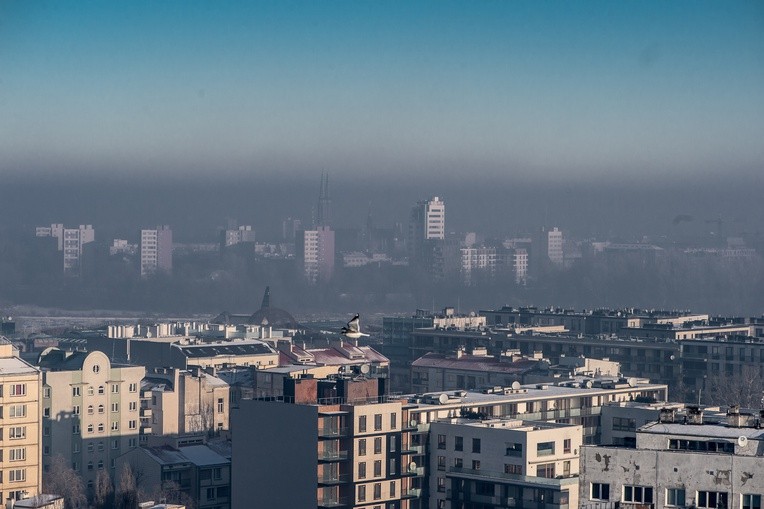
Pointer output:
x,y
427,224
317,247
156,250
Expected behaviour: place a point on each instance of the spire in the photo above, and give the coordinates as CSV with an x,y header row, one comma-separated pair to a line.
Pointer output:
x,y
266,298
323,211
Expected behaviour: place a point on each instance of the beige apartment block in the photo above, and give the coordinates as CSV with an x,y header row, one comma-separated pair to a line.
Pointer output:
x,y
20,473
182,402
504,463
91,410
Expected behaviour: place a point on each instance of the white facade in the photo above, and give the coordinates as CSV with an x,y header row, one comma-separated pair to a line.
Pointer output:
x,y
70,242
318,254
554,247
156,250
477,259
520,264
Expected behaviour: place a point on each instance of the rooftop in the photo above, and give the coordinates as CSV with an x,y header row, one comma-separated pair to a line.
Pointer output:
x,y
716,430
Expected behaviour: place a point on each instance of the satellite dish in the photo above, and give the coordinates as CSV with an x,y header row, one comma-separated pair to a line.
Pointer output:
x,y
632,382
365,369
515,385
672,357
412,466
588,384
413,422
742,441
443,399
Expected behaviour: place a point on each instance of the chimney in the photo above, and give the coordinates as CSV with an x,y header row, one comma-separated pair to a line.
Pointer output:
x,y
694,415
459,352
667,415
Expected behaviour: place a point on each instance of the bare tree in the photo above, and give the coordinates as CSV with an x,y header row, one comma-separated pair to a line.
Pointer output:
x,y
745,389
127,494
62,480
104,491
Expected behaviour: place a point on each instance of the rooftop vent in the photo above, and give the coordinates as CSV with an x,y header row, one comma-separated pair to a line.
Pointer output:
x,y
694,415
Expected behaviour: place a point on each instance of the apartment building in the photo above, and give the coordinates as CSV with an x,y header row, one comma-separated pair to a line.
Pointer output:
x,y
326,443
70,243
318,254
156,250
20,451
692,463
503,463
183,402
90,410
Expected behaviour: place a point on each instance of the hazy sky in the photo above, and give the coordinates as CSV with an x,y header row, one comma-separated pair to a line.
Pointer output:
x,y
555,88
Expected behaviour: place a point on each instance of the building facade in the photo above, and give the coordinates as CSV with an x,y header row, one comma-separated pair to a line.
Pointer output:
x,y
318,254
156,250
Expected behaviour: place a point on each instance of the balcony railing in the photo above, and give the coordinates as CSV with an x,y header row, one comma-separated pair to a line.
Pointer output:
x,y
332,478
333,455
332,431
411,493
332,502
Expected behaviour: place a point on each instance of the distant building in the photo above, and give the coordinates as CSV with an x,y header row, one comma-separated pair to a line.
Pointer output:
x,y
156,250
519,257
555,247
290,227
476,260
70,243
234,236
318,254
20,448
427,223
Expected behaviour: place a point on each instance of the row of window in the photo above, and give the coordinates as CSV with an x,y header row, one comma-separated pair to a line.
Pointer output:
x,y
376,491
675,497
77,390
14,432
362,446
15,454
15,475
132,424
512,449
132,406
377,469
362,426
13,411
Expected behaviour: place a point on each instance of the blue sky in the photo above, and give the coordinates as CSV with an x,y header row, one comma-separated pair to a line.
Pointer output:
x,y
494,87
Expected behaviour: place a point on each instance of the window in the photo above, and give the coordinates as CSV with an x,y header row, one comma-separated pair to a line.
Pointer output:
x,y
362,470
133,387
90,409
624,424
362,423
378,445
90,428
100,409
377,422
101,390
18,475
46,412
45,431
702,445
377,491
566,446
441,484
91,447
751,502
545,448
515,450
675,497
132,443
221,405
545,470
458,443
600,491
638,494
393,420
475,445
75,429
75,447
513,469
392,487
100,446
46,450
18,454
76,391
133,406
458,462
115,388
115,444
132,424
100,464
115,426
441,463
18,411
441,441
362,447
475,464
45,392
712,499
210,493
100,427
96,368
377,468
217,473
18,389
75,410
115,407
90,391
361,493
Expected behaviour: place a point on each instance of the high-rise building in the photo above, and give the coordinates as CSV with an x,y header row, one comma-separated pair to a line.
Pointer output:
x,y
290,228
156,250
318,254
427,224
554,247
70,242
232,236
20,450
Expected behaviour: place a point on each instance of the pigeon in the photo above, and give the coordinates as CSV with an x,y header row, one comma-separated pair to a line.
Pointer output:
x,y
353,329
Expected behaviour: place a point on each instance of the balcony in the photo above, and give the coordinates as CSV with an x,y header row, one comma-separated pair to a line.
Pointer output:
x,y
412,449
332,478
413,472
411,493
145,412
333,455
332,502
332,432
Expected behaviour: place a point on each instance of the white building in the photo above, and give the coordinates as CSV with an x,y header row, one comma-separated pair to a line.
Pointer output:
x,y
503,463
477,259
318,254
680,463
243,233
427,222
520,264
70,242
554,247
156,250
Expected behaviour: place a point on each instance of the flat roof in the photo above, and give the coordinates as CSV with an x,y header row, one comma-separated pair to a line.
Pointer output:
x,y
16,366
712,430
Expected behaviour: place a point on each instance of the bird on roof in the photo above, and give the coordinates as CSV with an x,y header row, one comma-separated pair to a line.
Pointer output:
x,y
353,329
